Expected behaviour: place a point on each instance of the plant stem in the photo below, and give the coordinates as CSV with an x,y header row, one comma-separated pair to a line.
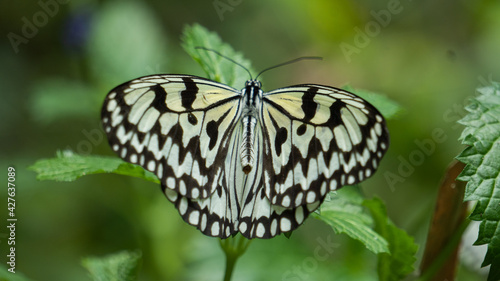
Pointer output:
x,y
233,248
230,262
445,253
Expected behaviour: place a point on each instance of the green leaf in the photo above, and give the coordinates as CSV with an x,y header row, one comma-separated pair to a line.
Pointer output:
x,y
216,67
68,167
345,213
389,108
482,170
122,266
398,264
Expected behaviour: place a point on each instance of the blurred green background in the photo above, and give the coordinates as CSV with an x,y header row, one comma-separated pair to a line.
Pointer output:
x,y
60,58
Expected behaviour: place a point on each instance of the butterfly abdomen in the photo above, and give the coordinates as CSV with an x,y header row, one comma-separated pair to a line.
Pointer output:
x,y
247,151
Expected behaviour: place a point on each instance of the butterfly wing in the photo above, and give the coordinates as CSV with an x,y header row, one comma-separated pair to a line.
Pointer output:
x,y
318,138
185,129
173,126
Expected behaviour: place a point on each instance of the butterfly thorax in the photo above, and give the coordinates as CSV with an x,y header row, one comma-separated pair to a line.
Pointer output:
x,y
252,95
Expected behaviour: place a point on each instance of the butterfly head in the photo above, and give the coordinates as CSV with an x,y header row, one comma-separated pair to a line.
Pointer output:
x,y
253,83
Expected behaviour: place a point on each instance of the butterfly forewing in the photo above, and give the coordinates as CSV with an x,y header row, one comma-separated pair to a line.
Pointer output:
x,y
173,126
319,138
308,140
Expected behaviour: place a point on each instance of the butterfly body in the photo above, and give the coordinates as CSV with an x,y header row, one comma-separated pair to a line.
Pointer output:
x,y
252,96
245,160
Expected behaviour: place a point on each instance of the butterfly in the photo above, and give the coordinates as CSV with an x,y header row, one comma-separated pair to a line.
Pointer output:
x,y
244,161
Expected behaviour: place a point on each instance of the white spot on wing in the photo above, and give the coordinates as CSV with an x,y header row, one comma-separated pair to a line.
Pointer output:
x,y
261,230
311,196
371,141
351,180
153,146
123,153
171,194
325,136
361,118
312,170
194,217
302,142
133,158
243,227
138,109
111,105
215,228
159,173
137,85
334,163
134,95
368,172
342,138
183,205
122,135
167,121
354,103
203,223
285,224
116,117
378,129
333,185
351,126
170,183
148,120
286,201
274,226
323,188
151,166
298,198
182,188
195,193
360,175
299,215
298,177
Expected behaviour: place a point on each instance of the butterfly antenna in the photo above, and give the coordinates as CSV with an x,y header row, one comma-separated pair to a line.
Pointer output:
x,y
229,59
288,62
